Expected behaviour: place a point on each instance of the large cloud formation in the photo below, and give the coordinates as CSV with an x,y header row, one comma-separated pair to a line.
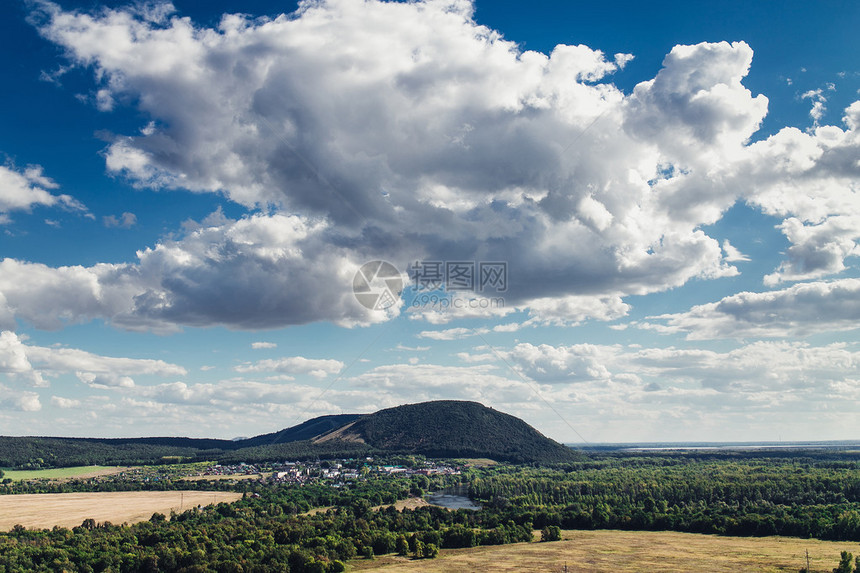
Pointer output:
x,y
407,131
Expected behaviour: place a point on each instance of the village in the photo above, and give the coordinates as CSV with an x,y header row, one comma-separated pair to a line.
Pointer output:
x,y
338,472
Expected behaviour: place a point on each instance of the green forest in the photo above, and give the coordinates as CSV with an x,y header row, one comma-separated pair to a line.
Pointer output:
x,y
803,495
793,496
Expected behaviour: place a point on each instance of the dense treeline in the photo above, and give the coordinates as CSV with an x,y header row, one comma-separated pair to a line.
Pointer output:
x,y
90,485
263,532
790,496
37,453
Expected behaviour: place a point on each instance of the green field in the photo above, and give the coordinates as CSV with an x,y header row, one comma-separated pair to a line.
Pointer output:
x,y
60,473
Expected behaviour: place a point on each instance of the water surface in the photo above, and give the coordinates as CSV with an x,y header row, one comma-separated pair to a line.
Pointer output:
x,y
452,498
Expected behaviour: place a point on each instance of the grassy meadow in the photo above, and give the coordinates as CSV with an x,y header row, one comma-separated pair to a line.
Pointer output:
x,y
61,473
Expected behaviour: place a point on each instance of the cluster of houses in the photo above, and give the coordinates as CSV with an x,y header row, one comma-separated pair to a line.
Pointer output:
x,y
333,470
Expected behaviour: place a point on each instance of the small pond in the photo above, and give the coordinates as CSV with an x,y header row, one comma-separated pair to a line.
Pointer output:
x,y
452,498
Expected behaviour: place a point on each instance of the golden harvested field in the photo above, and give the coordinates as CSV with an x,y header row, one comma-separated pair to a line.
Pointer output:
x,y
45,510
400,505
628,551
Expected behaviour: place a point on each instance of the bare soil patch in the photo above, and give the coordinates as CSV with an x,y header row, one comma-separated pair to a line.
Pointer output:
x,y
399,505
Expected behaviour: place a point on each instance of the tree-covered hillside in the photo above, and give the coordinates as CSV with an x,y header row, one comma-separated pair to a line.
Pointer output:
x,y
451,428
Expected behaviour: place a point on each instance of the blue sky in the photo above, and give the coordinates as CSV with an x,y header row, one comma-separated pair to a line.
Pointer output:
x,y
187,193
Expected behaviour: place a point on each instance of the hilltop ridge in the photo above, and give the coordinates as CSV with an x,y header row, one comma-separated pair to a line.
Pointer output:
x,y
444,428
453,428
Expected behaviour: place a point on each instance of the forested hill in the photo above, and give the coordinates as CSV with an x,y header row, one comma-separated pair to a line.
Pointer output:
x,y
304,431
436,429
450,428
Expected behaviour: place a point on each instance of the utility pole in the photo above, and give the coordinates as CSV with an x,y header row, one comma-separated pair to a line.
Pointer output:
x,y
807,561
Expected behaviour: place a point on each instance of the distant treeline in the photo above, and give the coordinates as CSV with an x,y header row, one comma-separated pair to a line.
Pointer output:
x,y
36,453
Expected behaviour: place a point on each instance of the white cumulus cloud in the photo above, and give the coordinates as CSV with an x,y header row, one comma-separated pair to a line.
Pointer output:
x,y
36,364
20,400
798,310
318,368
21,190
408,131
